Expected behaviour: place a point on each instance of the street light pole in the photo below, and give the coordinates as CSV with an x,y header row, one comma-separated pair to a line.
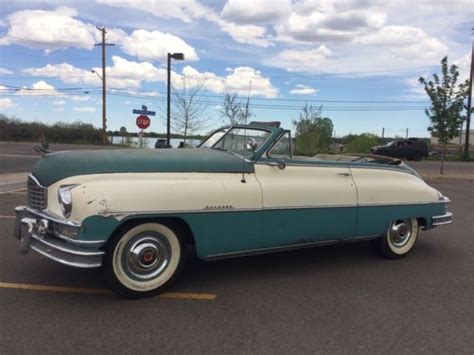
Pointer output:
x,y
175,56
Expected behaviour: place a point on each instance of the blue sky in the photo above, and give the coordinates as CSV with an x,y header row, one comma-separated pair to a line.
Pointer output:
x,y
360,59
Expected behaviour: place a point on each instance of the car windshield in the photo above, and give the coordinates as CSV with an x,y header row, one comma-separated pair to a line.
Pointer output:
x,y
241,141
392,143
213,138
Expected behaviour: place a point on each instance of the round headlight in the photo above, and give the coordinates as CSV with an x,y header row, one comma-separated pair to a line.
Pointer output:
x,y
65,199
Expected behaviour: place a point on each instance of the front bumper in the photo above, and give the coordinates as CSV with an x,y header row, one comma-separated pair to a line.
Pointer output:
x,y
44,234
443,219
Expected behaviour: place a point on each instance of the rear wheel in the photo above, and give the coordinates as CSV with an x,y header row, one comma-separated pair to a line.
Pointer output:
x,y
417,156
143,260
399,239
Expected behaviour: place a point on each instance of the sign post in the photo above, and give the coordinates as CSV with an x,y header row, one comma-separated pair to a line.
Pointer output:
x,y
143,121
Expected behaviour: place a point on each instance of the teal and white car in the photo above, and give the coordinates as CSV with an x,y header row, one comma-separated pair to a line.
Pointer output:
x,y
136,213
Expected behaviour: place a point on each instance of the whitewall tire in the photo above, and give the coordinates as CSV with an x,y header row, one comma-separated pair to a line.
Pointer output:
x,y
143,260
399,239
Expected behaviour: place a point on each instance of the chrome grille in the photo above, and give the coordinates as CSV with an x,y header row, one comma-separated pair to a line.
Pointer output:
x,y
37,195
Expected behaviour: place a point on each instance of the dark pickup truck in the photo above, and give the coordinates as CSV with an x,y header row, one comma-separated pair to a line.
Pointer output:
x,y
411,149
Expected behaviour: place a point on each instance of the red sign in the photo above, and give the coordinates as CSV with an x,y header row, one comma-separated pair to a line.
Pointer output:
x,y
143,121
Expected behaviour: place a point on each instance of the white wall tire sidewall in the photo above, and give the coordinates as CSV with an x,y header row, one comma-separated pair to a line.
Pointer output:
x,y
409,245
160,280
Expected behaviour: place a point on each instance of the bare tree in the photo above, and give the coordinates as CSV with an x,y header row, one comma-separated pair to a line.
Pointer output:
x,y
189,111
234,112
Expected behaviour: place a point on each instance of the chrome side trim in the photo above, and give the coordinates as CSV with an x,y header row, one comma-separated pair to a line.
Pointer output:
x,y
122,214
443,219
289,247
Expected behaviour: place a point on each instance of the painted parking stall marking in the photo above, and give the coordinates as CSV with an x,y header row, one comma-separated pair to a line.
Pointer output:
x,y
103,291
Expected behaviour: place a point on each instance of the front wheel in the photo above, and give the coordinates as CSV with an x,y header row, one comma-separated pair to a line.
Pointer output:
x,y
399,239
143,260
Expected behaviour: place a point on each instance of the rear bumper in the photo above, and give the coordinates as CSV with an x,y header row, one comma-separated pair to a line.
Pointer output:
x,y
40,233
443,219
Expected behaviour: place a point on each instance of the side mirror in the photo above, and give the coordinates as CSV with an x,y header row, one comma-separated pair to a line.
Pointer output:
x,y
280,164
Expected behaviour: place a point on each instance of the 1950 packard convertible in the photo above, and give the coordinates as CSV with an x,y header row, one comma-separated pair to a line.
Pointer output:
x,y
242,192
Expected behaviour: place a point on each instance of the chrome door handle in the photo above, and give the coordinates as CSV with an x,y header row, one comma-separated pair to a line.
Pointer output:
x,y
344,174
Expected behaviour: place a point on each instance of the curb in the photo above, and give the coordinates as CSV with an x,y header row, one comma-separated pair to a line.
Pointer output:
x,y
449,176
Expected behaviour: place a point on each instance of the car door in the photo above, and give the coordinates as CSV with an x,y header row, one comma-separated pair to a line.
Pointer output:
x,y
304,200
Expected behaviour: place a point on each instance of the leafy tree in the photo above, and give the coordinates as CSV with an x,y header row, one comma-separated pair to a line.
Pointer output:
x,y
362,143
234,112
313,133
447,104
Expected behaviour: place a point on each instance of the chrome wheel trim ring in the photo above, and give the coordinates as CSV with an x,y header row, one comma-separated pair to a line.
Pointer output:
x,y
146,256
400,232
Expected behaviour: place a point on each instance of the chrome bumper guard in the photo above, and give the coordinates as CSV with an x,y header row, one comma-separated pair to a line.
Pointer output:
x,y
440,220
34,231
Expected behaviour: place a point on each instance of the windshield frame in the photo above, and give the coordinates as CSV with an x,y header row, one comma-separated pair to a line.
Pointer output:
x,y
258,152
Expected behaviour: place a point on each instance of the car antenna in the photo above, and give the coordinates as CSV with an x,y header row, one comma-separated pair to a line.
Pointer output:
x,y
245,132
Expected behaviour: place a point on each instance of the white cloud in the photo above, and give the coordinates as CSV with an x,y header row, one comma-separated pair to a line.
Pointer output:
x,y
152,45
236,81
78,98
40,88
255,11
129,75
246,34
59,102
6,103
122,74
302,60
405,41
4,71
85,109
191,10
331,24
48,30
301,89
185,10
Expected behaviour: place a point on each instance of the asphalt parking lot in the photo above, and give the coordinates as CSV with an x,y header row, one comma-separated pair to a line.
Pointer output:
x,y
336,299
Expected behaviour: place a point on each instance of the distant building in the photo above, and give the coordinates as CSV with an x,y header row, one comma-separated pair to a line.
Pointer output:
x,y
457,140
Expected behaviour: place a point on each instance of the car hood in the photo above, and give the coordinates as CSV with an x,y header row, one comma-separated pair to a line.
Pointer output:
x,y
60,165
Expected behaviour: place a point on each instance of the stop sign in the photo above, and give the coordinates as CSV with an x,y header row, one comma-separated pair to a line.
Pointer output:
x,y
143,121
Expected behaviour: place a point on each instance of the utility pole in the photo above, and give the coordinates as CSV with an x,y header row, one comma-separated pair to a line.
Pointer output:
x,y
406,135
175,56
103,44
469,103
383,133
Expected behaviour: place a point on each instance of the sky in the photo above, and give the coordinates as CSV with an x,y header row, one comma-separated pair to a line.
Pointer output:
x,y
359,59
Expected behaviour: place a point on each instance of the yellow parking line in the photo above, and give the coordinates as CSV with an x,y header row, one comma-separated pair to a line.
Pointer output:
x,y
190,296
13,191
31,287
12,217
101,291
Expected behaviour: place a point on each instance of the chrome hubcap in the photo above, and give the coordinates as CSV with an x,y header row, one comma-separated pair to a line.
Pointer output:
x,y
400,232
146,256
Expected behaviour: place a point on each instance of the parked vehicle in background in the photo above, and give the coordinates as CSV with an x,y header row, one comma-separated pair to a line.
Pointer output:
x,y
411,149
